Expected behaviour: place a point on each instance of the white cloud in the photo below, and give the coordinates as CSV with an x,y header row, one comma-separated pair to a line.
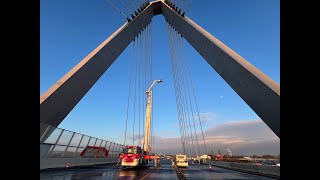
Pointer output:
x,y
247,137
207,116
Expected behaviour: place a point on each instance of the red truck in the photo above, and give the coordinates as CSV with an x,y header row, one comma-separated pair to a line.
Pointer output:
x,y
134,156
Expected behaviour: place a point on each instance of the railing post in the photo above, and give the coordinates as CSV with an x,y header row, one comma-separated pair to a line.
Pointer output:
x,y
55,143
99,146
88,142
95,142
113,149
100,143
74,154
119,148
105,146
116,150
68,144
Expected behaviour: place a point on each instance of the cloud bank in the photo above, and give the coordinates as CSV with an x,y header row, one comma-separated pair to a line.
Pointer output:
x,y
249,137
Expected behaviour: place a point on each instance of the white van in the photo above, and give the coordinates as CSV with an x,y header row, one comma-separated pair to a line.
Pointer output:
x,y
181,160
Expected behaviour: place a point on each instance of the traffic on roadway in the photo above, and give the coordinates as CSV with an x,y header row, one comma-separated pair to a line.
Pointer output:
x,y
164,170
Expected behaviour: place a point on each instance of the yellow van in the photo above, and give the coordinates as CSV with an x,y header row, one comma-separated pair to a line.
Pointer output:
x,y
181,160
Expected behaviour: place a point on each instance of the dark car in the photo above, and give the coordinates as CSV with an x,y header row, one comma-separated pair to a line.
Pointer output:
x,y
269,163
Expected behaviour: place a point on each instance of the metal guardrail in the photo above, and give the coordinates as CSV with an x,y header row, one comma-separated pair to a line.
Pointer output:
x,y
179,173
61,143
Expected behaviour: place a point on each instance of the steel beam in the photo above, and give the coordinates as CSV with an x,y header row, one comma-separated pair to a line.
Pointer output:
x,y
260,92
63,96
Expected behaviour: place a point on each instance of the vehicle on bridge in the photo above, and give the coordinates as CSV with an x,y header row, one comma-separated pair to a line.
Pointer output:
x,y
181,160
133,156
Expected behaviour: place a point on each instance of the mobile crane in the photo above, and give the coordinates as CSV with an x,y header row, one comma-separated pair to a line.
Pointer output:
x,y
135,156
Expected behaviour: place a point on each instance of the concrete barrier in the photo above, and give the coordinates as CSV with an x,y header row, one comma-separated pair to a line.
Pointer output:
x,y
46,163
250,168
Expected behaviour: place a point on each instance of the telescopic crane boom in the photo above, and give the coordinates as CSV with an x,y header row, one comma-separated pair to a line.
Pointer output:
x,y
147,135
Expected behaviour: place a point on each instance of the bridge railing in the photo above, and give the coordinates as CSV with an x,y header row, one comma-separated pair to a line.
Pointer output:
x,y
61,143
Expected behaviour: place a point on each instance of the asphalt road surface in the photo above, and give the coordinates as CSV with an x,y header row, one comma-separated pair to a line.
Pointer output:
x,y
202,171
165,171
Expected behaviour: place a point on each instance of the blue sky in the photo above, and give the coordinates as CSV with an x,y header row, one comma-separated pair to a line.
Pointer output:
x,y
70,30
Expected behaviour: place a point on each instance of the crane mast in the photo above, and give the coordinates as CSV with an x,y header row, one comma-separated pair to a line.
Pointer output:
x,y
134,156
147,134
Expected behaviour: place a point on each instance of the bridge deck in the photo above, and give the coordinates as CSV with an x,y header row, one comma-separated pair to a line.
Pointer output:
x,y
165,171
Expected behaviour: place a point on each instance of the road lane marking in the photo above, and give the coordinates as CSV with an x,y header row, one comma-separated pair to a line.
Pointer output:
x,y
144,176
